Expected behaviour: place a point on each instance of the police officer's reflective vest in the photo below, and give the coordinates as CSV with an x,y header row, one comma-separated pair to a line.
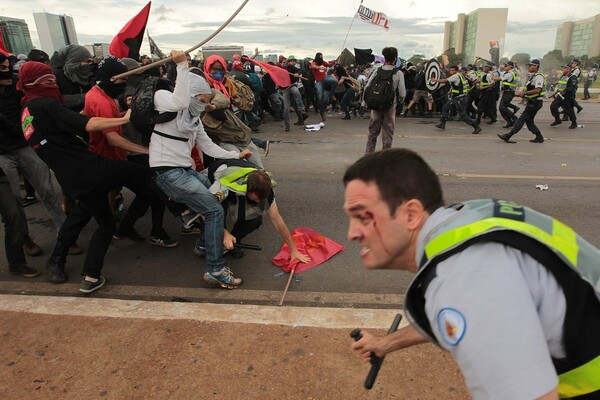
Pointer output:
x,y
562,83
573,262
512,84
458,89
530,86
484,81
235,178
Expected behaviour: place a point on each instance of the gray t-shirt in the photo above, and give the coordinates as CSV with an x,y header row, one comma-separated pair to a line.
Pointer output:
x,y
500,313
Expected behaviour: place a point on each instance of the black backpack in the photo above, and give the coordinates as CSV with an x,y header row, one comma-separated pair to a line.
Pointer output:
x,y
143,114
380,93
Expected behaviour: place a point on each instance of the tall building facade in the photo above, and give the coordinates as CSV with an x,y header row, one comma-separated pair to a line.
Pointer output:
x,y
55,31
578,38
98,50
15,35
472,33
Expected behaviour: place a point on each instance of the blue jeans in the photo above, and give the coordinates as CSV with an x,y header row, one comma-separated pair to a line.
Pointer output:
x,y
320,93
191,188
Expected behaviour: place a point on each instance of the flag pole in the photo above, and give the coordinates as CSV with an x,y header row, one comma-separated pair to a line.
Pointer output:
x,y
293,270
166,60
350,27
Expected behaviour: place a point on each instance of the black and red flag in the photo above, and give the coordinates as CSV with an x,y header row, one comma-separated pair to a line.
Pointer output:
x,y
280,76
128,41
3,49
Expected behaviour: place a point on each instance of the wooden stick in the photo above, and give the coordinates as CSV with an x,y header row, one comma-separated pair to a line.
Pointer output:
x,y
166,60
288,285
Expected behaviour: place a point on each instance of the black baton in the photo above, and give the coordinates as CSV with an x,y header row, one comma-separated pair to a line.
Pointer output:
x,y
375,361
247,246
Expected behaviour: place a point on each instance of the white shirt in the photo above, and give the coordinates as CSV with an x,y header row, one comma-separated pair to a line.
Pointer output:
x,y
513,311
166,152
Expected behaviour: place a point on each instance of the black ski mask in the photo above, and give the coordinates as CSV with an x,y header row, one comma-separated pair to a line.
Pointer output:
x,y
109,67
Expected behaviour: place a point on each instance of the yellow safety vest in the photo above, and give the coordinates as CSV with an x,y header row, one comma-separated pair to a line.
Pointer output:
x,y
533,233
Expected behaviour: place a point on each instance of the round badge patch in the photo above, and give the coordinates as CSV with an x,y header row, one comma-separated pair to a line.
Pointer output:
x,y
452,325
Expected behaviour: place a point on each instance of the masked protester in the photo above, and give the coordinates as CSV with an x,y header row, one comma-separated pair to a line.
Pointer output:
x,y
17,157
74,68
55,133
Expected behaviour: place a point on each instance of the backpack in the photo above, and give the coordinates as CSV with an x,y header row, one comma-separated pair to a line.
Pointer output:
x,y
246,95
143,114
380,94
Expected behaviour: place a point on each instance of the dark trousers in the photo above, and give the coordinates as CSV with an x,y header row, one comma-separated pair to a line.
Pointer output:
x,y
157,204
505,104
348,101
487,105
460,104
14,225
586,89
241,229
527,117
94,204
567,105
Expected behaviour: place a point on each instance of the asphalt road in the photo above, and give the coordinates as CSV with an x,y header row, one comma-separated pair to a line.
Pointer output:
x,y
308,168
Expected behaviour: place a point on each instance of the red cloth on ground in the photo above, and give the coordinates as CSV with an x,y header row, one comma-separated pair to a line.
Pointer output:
x,y
317,246
99,104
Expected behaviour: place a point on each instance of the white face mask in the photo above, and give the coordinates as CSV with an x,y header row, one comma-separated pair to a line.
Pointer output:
x,y
196,107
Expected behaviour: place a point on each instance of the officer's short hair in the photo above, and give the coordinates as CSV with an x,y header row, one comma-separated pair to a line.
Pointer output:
x,y
401,175
259,182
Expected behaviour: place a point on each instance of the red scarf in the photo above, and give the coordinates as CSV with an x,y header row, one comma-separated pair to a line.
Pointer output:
x,y
214,83
31,76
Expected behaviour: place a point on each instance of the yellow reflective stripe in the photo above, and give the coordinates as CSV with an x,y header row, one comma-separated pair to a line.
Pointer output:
x,y
581,380
563,238
230,180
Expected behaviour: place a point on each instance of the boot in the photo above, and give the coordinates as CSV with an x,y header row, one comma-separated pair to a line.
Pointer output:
x,y
573,125
55,271
429,114
579,108
565,117
442,124
30,248
476,129
300,118
505,136
556,122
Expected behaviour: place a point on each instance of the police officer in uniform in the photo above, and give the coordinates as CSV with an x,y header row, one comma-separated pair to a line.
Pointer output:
x,y
458,98
565,98
487,99
533,92
508,85
575,70
591,78
511,293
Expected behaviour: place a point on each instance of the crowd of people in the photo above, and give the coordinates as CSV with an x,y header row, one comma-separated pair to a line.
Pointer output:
x,y
67,113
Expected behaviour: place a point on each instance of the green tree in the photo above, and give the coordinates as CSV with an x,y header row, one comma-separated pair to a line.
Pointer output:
x,y
417,59
551,60
521,58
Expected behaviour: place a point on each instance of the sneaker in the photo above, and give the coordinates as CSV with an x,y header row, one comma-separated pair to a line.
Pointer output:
x,y
189,219
30,248
89,287
200,248
24,271
28,200
131,235
267,146
75,250
195,229
223,278
163,240
236,252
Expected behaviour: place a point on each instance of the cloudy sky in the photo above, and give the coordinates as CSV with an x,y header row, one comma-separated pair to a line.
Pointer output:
x,y
304,27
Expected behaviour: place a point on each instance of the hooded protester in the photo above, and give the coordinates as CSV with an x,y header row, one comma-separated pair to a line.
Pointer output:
x,y
171,163
55,132
214,72
17,157
73,67
100,102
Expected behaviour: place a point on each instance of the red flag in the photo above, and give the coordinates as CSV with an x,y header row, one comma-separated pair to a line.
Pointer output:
x,y
128,41
2,46
280,76
317,246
